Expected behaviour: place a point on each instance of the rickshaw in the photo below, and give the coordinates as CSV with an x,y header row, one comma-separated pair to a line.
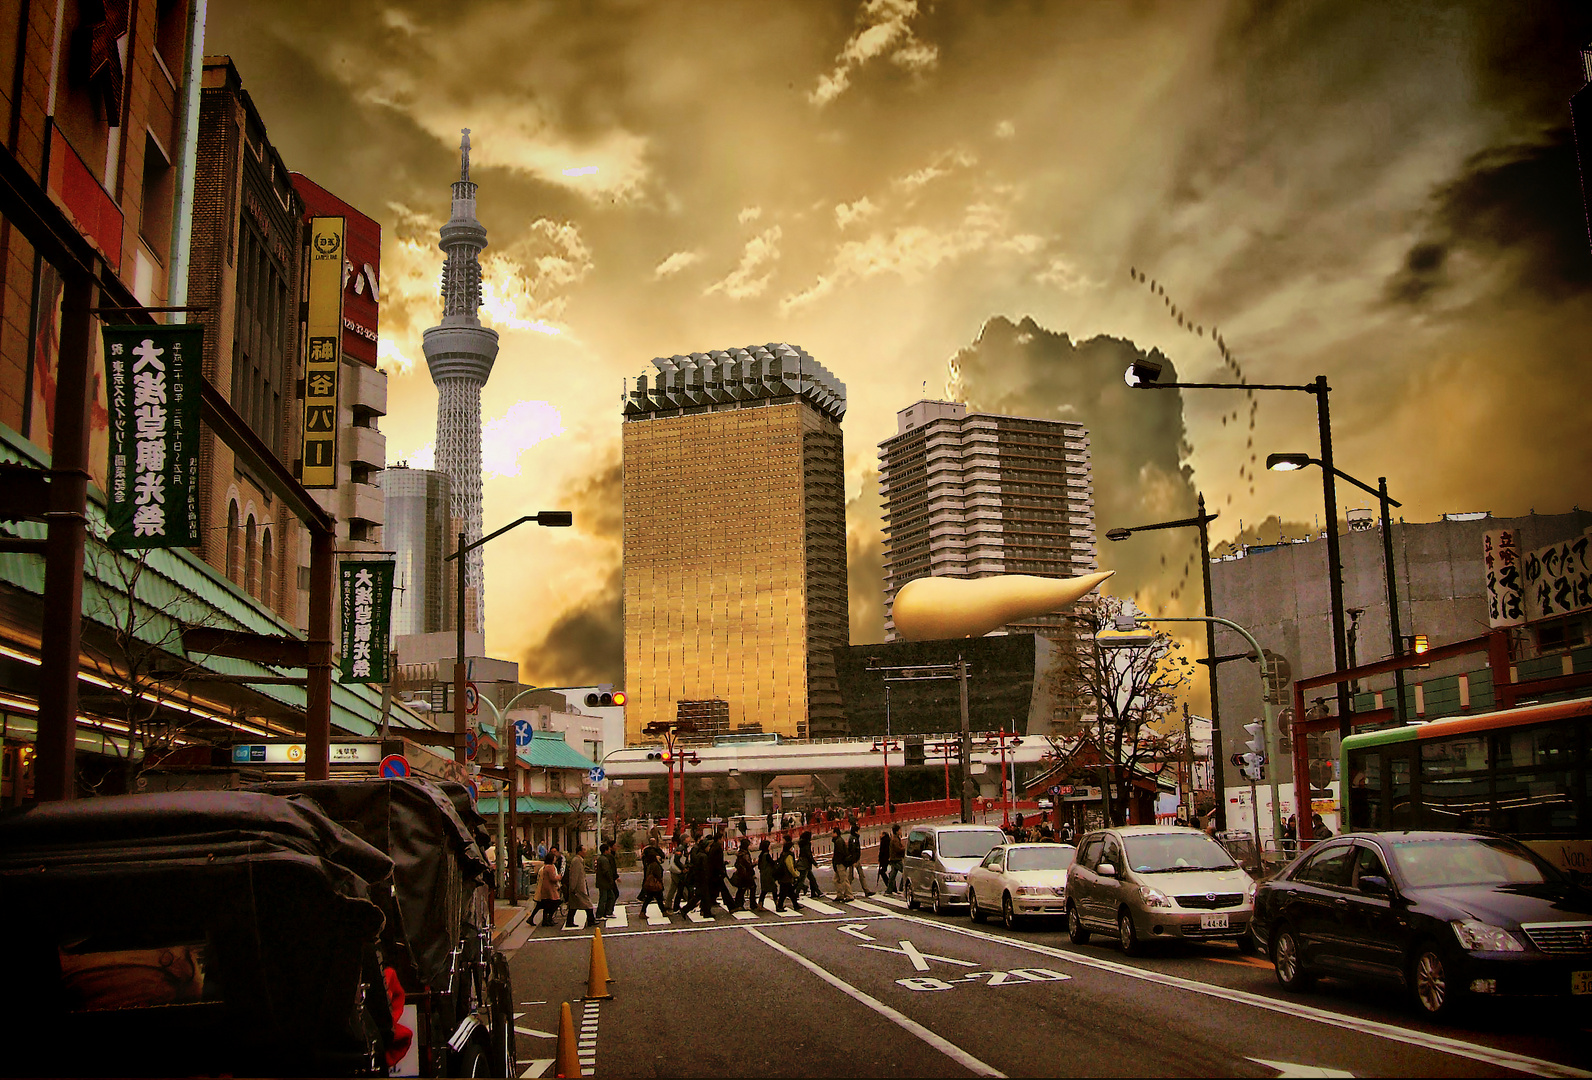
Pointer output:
x,y
193,933
437,935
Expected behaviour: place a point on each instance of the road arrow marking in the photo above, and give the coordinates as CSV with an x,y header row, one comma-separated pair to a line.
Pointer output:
x,y
1292,1069
855,930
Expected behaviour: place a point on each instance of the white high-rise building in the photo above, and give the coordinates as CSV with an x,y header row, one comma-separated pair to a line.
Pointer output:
x,y
460,353
976,494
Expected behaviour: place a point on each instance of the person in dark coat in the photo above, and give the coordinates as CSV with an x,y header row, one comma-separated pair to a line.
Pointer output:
x,y
719,853
766,884
805,863
884,860
709,871
606,871
785,877
745,877
854,857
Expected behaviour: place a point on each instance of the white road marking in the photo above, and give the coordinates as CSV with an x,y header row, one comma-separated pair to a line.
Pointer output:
x,y
619,920
871,907
768,903
745,915
820,907
535,1033
696,916
855,930
569,920
1440,1043
1294,1069
919,960
536,1068
788,913
944,1046
893,901
711,927
657,917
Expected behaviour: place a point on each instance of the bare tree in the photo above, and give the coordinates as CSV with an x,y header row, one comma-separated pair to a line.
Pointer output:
x,y
1120,694
136,647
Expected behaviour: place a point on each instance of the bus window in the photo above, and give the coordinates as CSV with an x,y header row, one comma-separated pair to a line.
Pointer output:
x,y
1401,803
1530,747
1456,802
1446,757
1365,789
1536,804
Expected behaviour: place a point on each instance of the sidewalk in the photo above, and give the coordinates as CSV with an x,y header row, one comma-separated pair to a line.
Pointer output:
x,y
507,918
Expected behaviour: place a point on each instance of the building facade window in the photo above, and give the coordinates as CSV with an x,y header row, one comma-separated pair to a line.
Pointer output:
x,y
232,541
266,568
248,557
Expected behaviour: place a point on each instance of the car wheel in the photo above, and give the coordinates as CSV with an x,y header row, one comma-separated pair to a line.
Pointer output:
x,y
1430,984
472,1060
1076,930
1008,913
1291,973
912,897
1127,934
936,900
1247,944
974,912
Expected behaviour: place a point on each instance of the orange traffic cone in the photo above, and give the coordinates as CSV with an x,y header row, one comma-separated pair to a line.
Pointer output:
x,y
566,1061
597,979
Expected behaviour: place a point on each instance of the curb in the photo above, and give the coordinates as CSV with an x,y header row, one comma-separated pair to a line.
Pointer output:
x,y
509,927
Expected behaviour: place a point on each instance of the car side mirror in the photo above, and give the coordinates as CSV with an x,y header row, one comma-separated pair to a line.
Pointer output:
x,y
927,853
1375,885
1105,869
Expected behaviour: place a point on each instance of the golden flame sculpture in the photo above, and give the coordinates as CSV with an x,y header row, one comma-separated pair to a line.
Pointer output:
x,y
933,608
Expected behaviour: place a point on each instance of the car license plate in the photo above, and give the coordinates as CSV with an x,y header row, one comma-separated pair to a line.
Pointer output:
x,y
1213,922
1581,982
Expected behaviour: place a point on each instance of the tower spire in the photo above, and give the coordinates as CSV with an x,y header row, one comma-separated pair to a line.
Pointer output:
x,y
459,353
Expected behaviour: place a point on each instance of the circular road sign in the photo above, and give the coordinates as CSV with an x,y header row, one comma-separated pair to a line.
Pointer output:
x,y
472,698
469,745
475,793
596,775
394,767
522,734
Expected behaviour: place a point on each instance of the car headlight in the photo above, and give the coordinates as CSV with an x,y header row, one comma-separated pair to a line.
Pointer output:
x,y
1154,897
1251,890
1033,890
1477,936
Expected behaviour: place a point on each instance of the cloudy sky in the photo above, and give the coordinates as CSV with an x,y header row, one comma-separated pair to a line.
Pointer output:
x,y
997,201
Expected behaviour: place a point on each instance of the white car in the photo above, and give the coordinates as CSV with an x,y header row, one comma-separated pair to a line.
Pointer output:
x,y
1018,880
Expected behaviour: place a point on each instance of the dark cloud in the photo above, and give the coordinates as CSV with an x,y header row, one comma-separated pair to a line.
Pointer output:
x,y
1138,444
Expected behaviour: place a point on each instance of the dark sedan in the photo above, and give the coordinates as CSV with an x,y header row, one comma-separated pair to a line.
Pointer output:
x,y
1449,915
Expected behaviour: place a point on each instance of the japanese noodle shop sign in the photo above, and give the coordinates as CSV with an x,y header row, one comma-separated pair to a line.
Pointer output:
x,y
367,607
1501,559
1557,579
152,391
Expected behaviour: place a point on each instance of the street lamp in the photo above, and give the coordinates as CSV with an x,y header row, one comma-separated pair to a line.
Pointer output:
x,y
1200,521
1001,740
550,518
1145,374
1294,462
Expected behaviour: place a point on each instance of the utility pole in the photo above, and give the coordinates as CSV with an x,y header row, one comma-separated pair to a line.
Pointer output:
x,y
967,748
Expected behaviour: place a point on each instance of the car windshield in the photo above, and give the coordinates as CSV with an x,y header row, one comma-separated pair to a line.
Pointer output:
x,y
1049,857
969,845
1164,853
1467,860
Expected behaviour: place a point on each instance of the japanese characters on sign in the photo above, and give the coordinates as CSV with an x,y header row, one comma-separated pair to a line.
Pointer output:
x,y
1500,556
152,390
367,609
1557,579
322,352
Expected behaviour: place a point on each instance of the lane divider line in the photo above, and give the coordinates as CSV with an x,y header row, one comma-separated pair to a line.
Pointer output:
x,y
944,1046
1426,1041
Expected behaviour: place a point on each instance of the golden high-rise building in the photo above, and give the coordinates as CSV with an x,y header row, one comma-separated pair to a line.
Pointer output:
x,y
735,543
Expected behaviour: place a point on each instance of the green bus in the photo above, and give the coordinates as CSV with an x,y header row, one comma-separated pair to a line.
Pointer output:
x,y
1525,772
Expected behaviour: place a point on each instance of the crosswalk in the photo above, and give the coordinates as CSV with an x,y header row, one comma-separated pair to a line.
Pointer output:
x,y
631,917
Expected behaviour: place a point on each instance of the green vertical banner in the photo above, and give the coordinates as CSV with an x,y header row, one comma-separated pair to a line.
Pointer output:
x,y
367,613
152,391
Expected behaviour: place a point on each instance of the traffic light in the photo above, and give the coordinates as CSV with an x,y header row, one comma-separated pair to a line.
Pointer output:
x,y
605,699
914,750
660,755
1254,767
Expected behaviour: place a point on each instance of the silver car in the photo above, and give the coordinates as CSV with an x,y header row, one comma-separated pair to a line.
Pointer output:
x,y
1144,883
939,858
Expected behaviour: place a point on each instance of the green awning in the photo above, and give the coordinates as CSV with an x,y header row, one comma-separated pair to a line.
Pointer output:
x,y
531,804
548,750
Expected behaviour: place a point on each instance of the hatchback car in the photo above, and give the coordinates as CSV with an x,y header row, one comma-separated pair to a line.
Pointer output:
x,y
939,858
1151,882
1449,915
1018,880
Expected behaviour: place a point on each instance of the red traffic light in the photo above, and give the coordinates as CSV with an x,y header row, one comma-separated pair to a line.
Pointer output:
x,y
619,697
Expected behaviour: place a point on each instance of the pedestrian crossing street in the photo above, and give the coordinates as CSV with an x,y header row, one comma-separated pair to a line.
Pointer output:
x,y
629,916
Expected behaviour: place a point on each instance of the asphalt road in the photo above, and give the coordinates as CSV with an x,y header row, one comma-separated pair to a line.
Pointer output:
x,y
870,989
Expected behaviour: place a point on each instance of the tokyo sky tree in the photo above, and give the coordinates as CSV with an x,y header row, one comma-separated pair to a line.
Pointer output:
x,y
460,353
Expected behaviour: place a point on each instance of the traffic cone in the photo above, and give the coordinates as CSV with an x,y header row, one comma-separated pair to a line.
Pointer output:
x,y
599,956
597,980
566,1061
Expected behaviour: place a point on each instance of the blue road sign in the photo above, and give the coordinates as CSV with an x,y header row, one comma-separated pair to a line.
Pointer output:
x,y
394,767
596,775
522,734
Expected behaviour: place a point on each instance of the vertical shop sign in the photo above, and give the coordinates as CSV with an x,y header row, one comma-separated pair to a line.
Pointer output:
x,y
322,351
152,390
367,610
1500,557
